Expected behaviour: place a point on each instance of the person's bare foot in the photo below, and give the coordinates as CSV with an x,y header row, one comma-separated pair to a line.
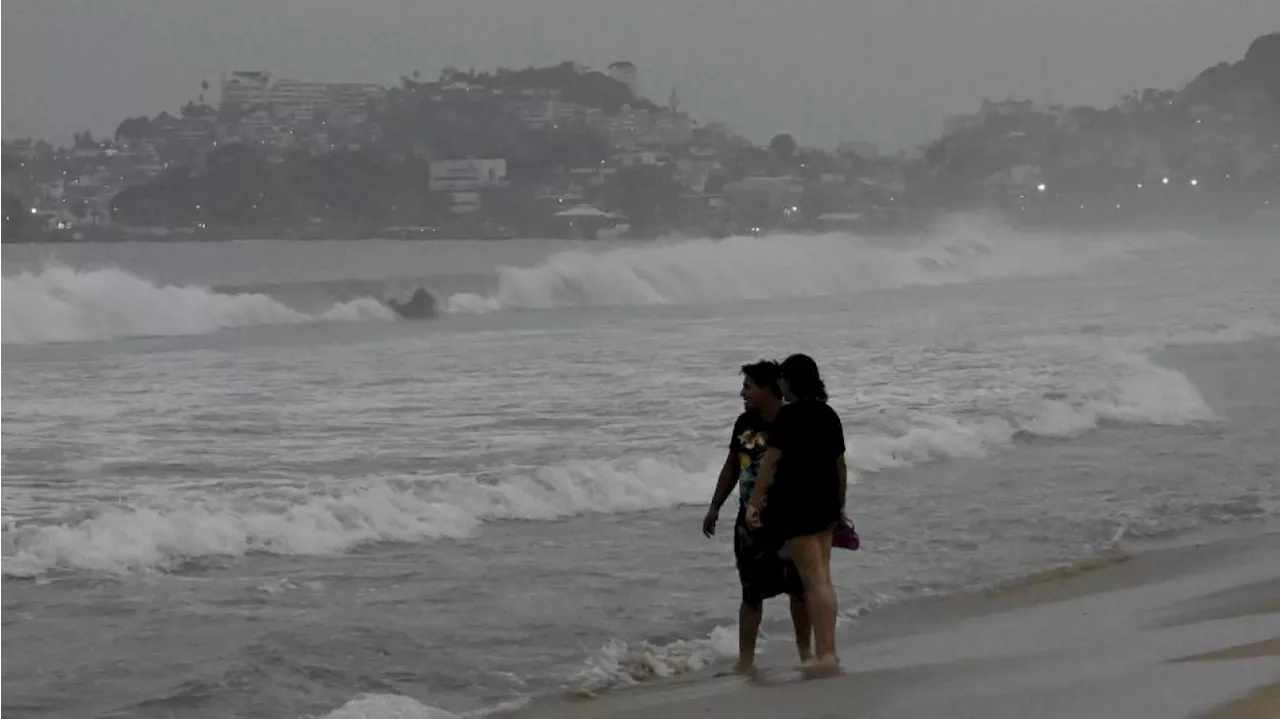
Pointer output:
x,y
747,668
820,667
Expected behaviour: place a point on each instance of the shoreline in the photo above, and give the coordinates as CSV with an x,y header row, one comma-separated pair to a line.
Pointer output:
x,y
1187,627
1259,220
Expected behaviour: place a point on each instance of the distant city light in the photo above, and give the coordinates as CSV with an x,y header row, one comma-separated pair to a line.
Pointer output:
x,y
1165,180
1117,205
1194,182
34,210
1139,185
1040,187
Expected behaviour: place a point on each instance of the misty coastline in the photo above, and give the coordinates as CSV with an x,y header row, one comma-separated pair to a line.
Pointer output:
x,y
570,152
402,360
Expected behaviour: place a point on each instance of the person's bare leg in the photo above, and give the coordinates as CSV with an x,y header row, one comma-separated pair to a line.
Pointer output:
x,y
825,545
748,630
811,559
804,628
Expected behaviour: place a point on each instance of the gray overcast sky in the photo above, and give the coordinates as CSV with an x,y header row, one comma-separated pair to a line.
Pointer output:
x,y
885,70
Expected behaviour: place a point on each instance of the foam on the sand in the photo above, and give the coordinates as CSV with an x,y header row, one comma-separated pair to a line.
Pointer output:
x,y
1184,631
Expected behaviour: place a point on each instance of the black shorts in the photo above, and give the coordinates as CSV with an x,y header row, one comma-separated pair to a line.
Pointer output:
x,y
802,510
762,572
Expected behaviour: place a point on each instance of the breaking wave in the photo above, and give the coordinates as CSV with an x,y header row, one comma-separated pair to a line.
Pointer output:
x,y
63,304
1133,390
784,266
166,531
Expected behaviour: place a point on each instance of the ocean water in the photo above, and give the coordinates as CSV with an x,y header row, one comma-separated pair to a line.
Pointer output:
x,y
234,484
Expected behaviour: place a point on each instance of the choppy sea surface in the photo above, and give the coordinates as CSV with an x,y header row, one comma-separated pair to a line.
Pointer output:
x,y
235,484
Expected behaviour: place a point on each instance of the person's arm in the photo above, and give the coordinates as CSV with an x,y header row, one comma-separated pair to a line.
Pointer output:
x,y
842,471
768,469
724,485
779,439
837,439
842,467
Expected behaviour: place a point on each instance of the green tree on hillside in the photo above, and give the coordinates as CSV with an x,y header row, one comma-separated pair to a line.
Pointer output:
x,y
133,128
782,152
236,182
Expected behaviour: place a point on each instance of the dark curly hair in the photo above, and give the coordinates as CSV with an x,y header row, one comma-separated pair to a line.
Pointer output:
x,y
765,375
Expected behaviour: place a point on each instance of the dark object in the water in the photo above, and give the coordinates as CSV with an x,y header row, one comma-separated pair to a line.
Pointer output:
x,y
421,306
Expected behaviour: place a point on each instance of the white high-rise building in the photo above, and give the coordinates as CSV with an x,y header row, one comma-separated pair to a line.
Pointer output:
x,y
246,88
298,101
349,101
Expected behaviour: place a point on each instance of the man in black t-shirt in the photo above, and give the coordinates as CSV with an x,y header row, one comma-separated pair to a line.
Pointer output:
x,y
762,572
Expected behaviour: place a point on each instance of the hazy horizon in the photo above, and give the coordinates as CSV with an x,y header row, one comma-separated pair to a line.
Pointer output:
x,y
824,72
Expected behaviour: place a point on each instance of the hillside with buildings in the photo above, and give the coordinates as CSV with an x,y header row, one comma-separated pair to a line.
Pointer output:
x,y
509,147
570,151
1212,145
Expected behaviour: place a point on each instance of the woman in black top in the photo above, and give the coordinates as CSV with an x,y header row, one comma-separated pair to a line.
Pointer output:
x,y
803,476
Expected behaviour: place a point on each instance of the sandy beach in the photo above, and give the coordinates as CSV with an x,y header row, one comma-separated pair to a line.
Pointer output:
x,y
1191,630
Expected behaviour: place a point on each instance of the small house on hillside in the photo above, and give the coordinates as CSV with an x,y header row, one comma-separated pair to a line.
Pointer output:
x,y
587,223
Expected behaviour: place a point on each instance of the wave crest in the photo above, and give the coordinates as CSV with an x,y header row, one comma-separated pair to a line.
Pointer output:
x,y
166,531
63,304
785,266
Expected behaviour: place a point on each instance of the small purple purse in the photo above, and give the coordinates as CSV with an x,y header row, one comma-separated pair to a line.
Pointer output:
x,y
845,536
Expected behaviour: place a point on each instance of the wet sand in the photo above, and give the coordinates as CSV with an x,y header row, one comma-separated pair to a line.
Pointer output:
x,y
1191,630
1261,704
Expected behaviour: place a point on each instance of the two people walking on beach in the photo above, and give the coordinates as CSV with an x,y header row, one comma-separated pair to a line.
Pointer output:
x,y
787,460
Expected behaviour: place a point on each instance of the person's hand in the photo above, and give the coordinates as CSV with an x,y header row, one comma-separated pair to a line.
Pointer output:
x,y
753,516
709,522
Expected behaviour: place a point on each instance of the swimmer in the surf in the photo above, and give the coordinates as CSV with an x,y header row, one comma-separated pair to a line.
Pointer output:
x,y
422,305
